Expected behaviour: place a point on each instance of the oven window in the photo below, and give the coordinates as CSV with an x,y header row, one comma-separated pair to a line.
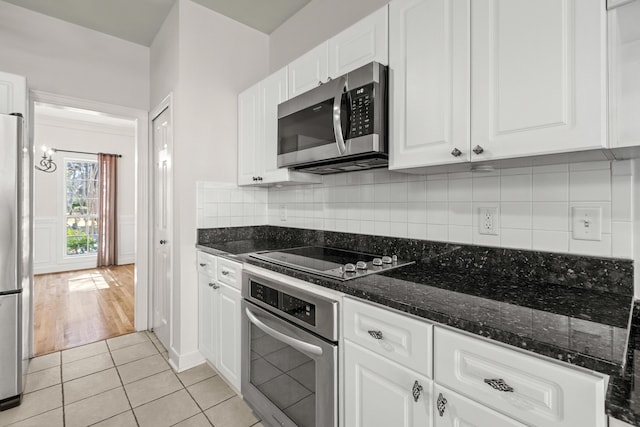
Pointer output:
x,y
310,128
285,376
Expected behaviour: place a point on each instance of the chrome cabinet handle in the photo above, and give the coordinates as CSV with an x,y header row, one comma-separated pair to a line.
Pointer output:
x,y
337,125
376,334
302,346
456,152
441,404
416,390
214,286
202,264
225,272
478,149
499,384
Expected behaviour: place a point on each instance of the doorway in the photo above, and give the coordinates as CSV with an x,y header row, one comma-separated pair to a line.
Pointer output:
x,y
92,303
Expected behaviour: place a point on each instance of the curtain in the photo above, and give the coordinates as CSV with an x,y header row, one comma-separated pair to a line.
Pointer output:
x,y
107,209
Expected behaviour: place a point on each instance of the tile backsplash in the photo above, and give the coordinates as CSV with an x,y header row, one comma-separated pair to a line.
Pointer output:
x,y
534,206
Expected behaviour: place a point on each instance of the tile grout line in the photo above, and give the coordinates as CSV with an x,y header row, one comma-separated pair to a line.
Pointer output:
x,y
124,390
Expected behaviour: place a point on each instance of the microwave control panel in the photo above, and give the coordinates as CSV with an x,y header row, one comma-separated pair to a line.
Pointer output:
x,y
361,111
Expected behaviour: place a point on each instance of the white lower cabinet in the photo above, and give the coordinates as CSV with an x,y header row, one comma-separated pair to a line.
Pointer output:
x,y
453,410
379,392
219,317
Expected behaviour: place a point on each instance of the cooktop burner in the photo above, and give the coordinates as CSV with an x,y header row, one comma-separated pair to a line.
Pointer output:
x,y
330,262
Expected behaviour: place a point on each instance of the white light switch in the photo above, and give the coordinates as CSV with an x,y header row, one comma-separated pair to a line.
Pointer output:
x,y
283,212
587,223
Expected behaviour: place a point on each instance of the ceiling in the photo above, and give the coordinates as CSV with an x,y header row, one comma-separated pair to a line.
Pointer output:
x,y
138,21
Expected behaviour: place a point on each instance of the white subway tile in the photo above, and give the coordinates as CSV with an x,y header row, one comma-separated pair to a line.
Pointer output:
x,y
224,209
342,226
551,216
437,213
381,212
398,229
486,188
307,195
417,231
381,193
516,171
460,190
382,228
397,176
600,248
341,210
438,232
210,222
353,226
621,197
398,212
593,185
318,194
438,177
417,191
551,187
236,196
330,224
485,239
460,214
368,211
516,238
563,167
589,166
368,193
515,188
248,210
461,234
398,192
417,212
515,215
224,221
380,176
552,241
459,175
210,209
367,227
437,191
622,240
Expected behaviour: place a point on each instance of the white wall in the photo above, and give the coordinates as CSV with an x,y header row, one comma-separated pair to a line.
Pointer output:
x,y
216,59
67,59
534,206
316,22
49,193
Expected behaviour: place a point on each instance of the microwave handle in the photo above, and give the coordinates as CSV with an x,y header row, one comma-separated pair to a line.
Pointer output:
x,y
337,123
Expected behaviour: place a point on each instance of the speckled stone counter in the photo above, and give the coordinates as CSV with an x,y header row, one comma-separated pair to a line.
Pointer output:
x,y
571,308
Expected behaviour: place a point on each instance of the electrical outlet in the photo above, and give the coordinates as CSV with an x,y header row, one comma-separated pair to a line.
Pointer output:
x,y
587,223
488,220
283,212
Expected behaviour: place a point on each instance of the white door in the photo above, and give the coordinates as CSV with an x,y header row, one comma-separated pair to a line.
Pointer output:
x,y
309,71
365,41
538,77
228,323
249,135
452,410
379,392
274,92
162,216
13,94
429,55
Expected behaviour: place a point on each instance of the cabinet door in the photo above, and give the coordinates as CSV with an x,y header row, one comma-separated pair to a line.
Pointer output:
x,y
309,70
429,55
452,410
274,91
228,323
361,43
537,77
207,306
13,94
379,392
250,145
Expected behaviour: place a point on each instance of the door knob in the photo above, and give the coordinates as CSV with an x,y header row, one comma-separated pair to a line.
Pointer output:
x,y
162,242
478,149
456,152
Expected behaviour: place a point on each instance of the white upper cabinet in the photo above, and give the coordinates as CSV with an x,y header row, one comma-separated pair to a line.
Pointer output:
x,y
538,77
624,60
258,135
13,94
429,55
363,42
309,70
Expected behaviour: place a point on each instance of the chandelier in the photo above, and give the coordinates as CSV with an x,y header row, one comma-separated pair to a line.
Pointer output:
x,y
46,162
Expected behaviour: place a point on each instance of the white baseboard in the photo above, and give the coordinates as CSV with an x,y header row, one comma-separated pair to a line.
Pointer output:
x,y
182,362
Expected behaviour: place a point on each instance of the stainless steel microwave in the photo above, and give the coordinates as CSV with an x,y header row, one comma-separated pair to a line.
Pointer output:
x,y
339,126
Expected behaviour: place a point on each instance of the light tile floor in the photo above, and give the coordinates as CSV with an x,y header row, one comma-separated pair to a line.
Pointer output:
x,y
121,382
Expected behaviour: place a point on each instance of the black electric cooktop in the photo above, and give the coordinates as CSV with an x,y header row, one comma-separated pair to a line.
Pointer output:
x,y
330,262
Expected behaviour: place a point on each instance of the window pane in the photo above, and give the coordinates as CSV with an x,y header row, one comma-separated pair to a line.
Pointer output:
x,y
81,202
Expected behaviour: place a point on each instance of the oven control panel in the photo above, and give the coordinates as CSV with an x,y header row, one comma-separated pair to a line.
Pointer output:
x,y
284,302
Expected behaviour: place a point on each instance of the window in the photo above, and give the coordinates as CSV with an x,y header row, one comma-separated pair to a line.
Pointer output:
x,y
81,207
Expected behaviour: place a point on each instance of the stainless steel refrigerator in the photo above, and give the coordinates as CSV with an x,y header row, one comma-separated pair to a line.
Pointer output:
x,y
16,173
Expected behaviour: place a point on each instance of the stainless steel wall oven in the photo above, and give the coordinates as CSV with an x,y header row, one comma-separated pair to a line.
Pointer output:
x,y
289,353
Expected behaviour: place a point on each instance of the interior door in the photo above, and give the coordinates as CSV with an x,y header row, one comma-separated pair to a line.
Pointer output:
x,y
161,286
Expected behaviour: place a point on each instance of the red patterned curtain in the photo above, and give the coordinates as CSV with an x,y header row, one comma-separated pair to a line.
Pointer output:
x,y
107,209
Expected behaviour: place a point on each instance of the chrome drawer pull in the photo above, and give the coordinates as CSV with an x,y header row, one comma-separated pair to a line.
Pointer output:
x,y
202,264
441,404
225,273
376,334
214,286
499,384
416,391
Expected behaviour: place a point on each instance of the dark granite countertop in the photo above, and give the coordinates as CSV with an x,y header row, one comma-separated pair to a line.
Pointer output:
x,y
569,317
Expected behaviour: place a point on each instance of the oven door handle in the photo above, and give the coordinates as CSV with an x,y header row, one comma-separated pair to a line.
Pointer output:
x,y
337,112
304,347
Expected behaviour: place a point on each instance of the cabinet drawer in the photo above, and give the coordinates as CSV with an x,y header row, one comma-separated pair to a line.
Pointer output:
x,y
401,338
526,388
207,264
452,410
230,273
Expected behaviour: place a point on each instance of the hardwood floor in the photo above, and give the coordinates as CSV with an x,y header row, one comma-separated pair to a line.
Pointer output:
x,y
80,307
